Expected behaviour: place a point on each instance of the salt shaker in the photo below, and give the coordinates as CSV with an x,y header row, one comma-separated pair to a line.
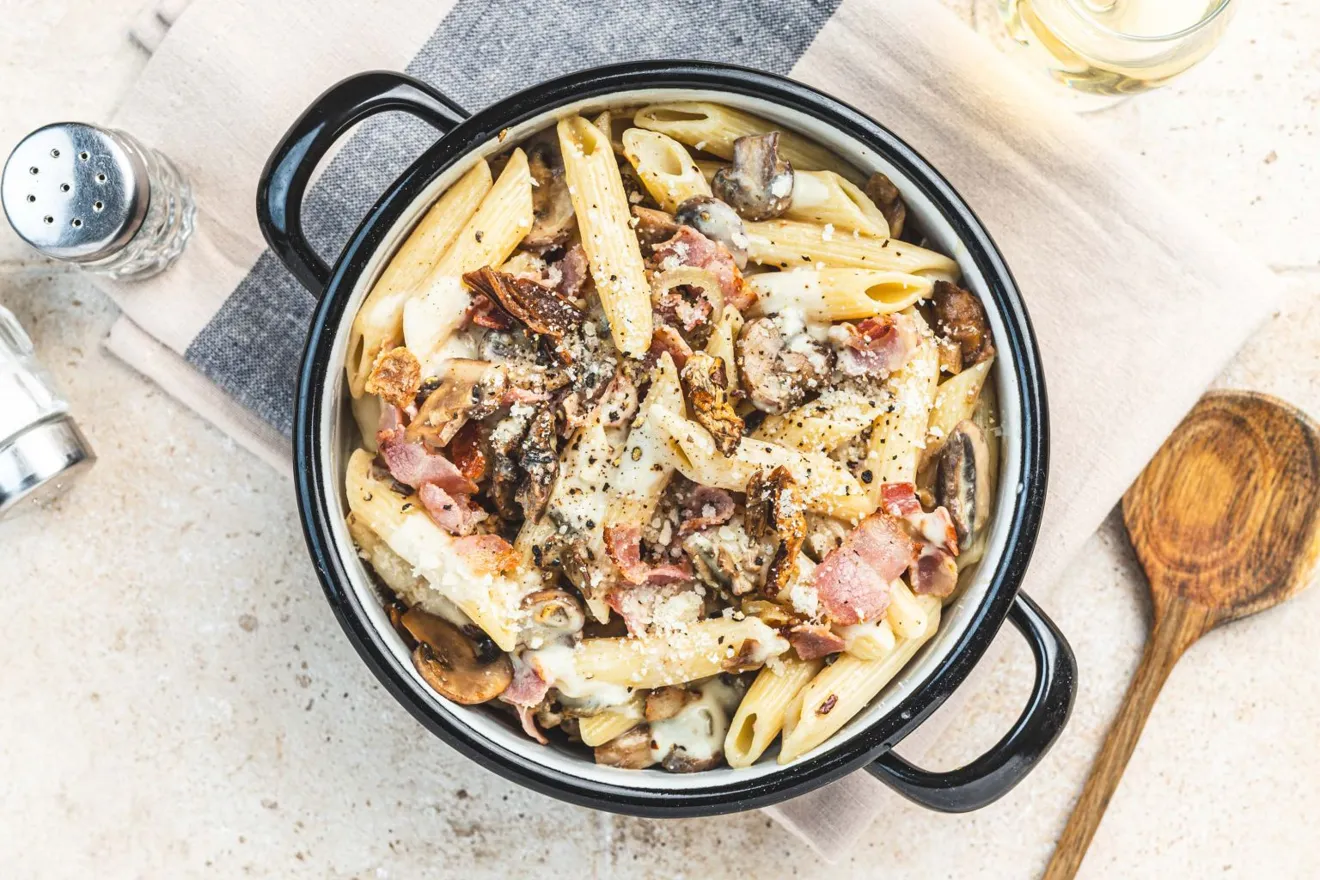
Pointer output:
x,y
41,448
98,198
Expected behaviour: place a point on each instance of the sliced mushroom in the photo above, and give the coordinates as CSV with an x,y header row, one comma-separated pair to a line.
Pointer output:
x,y
962,486
704,379
465,389
540,460
541,308
552,209
881,190
759,183
775,509
464,666
960,317
653,226
630,751
718,222
396,377
666,702
550,615
775,376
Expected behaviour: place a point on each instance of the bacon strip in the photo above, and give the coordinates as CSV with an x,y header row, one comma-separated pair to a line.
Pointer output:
x,y
412,464
933,571
875,346
813,641
853,580
623,544
666,339
690,248
456,514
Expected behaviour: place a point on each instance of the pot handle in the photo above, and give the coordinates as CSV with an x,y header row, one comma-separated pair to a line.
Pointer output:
x,y
993,775
289,168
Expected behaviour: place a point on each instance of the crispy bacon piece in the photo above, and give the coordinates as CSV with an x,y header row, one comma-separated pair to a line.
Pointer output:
x,y
540,308
899,499
525,692
960,317
572,270
703,507
705,381
623,544
813,641
666,339
487,554
934,572
412,464
876,346
853,581
688,247
456,514
395,376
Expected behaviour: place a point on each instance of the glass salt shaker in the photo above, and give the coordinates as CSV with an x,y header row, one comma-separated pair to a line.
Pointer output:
x,y
98,198
41,448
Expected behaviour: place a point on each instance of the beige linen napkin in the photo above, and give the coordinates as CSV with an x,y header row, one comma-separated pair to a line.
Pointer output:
x,y
1136,303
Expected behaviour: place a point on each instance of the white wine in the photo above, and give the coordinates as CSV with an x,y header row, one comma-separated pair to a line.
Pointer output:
x,y
1116,47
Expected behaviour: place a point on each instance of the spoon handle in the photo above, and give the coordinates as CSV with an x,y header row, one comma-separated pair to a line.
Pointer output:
x,y
1176,628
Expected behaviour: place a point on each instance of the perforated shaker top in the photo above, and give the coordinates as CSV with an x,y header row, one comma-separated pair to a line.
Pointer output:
x,y
75,191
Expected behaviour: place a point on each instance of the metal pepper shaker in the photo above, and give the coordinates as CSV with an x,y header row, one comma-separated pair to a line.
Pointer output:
x,y
98,198
41,448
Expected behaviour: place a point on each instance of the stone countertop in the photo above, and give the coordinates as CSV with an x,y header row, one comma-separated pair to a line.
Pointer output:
x,y
179,701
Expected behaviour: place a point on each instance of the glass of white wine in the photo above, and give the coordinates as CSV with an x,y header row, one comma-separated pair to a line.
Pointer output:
x,y
1105,50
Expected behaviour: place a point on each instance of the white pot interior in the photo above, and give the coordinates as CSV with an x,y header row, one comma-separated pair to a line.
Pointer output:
x,y
339,437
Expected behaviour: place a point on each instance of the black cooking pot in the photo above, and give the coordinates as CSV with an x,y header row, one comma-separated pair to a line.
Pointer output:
x,y
324,434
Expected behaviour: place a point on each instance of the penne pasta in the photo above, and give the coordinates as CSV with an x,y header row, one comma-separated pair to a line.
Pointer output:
x,y
792,243
722,342
436,307
898,437
704,648
838,294
598,729
823,425
906,613
826,198
826,485
844,688
871,640
665,168
491,599
712,128
613,254
644,465
378,325
760,715
955,400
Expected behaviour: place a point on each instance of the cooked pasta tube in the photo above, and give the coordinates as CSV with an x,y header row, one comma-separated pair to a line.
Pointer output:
x,y
760,715
613,254
723,340
824,424
844,688
869,640
898,437
666,169
491,598
826,485
955,400
838,294
701,649
786,243
598,729
712,129
378,325
827,198
906,613
436,306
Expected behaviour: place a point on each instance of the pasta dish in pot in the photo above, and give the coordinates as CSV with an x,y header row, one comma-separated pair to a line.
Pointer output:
x,y
675,437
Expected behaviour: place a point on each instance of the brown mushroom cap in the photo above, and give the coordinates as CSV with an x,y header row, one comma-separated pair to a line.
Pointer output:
x,y
631,750
466,668
759,183
962,484
552,209
881,190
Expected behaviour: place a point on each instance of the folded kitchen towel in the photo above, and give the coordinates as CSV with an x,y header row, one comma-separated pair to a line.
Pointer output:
x,y
1137,304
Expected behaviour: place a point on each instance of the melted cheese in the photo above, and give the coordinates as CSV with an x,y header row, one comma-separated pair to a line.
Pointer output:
x,y
697,732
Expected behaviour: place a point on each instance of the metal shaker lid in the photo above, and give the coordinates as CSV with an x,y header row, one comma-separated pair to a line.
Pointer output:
x,y
40,463
76,192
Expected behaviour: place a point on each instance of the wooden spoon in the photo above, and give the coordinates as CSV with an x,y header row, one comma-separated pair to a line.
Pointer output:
x,y
1225,523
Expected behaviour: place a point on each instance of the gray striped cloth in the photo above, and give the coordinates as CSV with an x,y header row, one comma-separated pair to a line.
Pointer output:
x,y
1137,304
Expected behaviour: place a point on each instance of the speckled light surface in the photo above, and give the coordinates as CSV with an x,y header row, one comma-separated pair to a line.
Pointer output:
x,y
178,700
